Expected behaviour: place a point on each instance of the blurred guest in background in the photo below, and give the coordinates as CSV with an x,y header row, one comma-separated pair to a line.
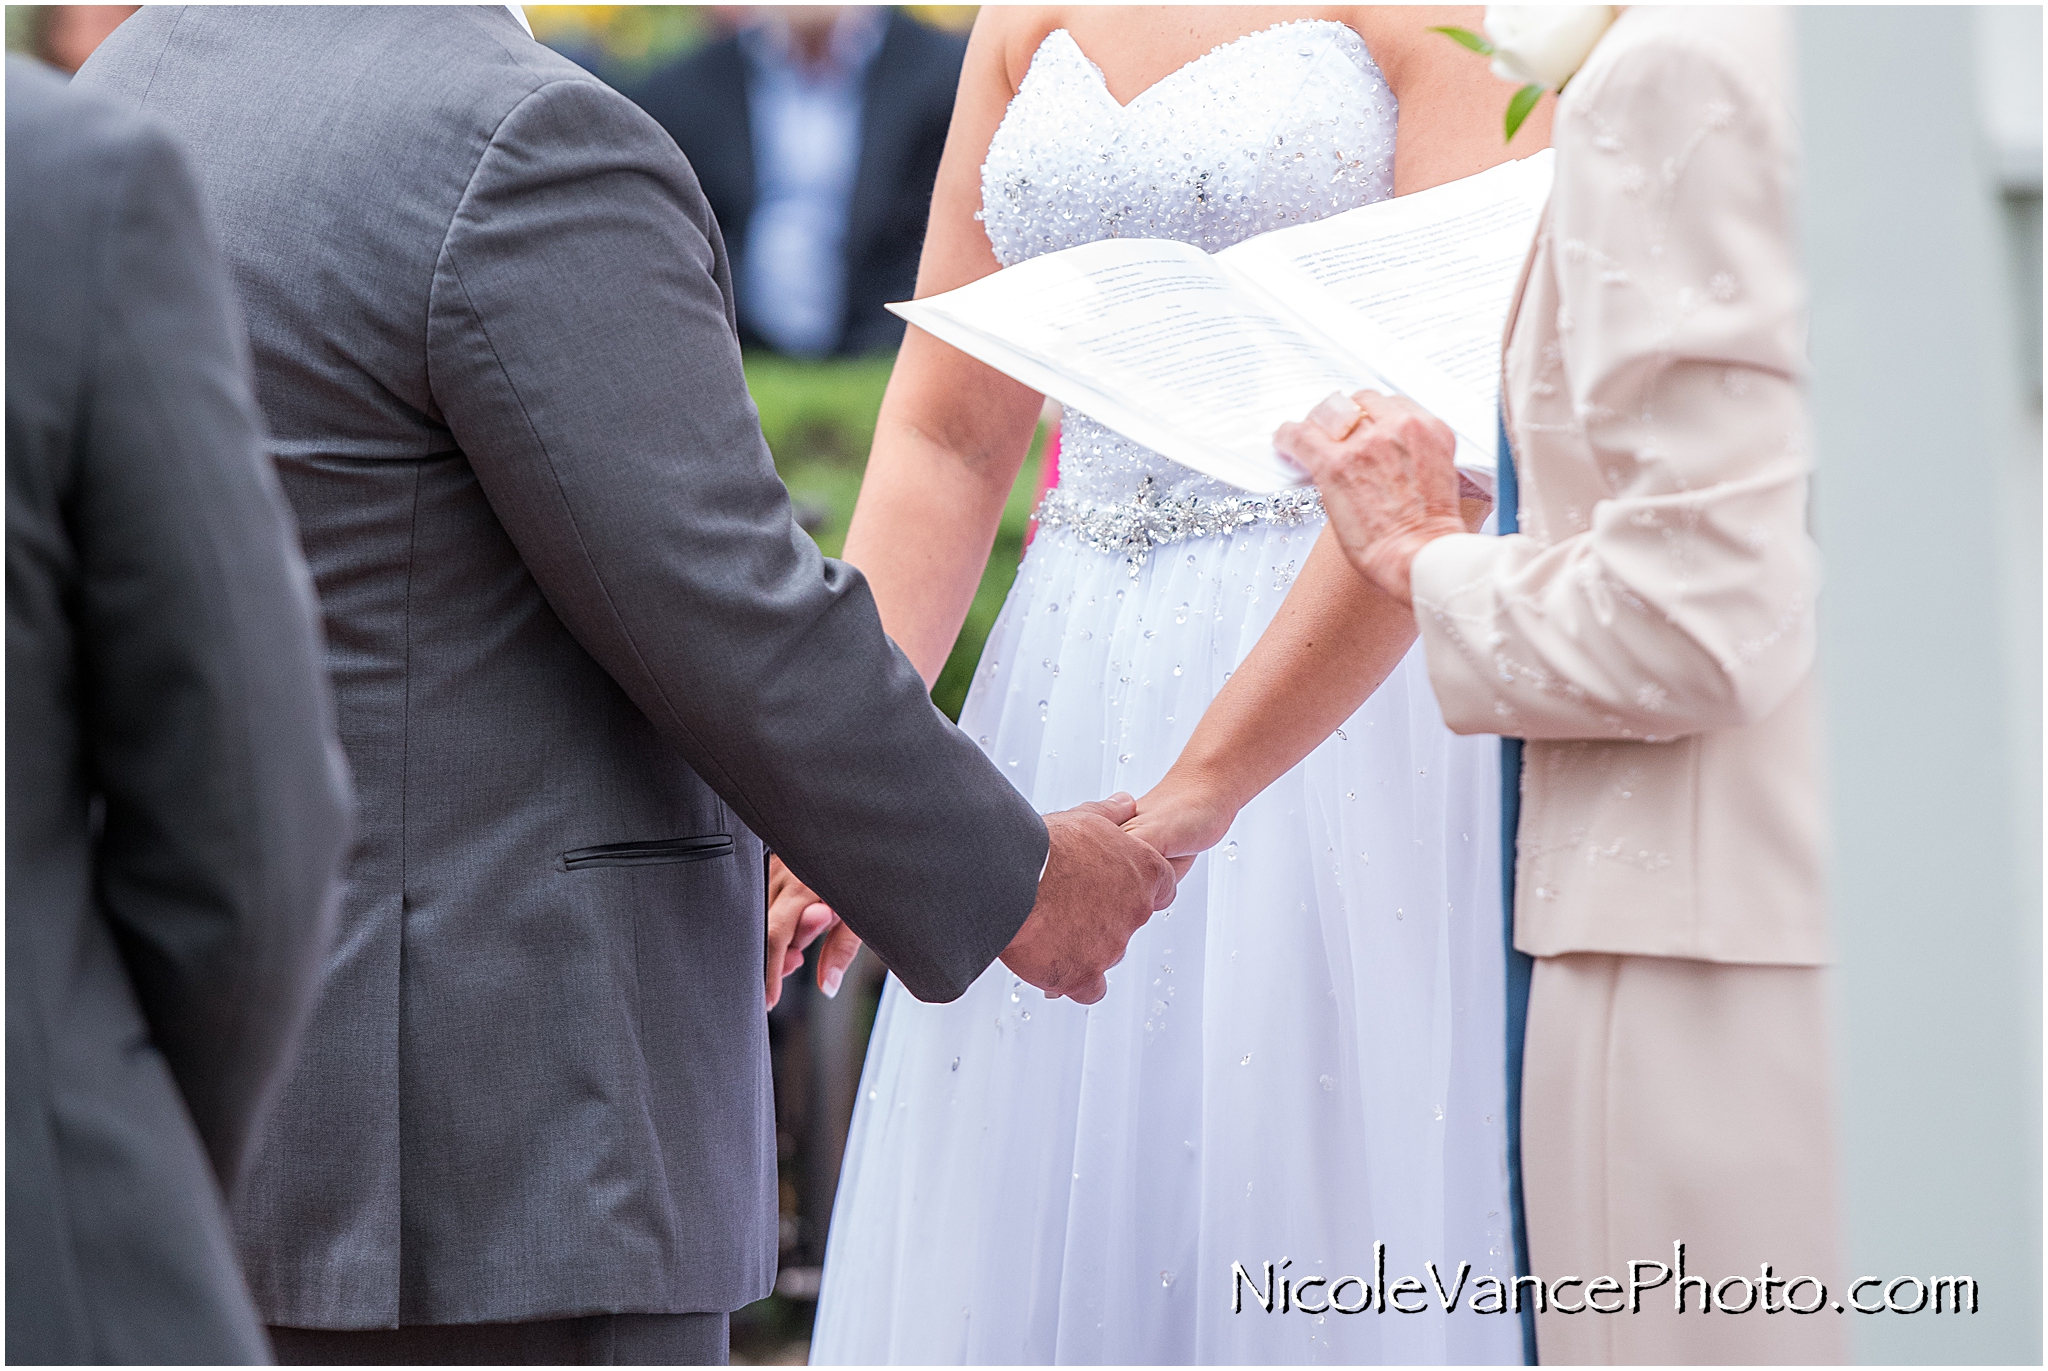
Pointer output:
x,y
816,132
65,35
176,802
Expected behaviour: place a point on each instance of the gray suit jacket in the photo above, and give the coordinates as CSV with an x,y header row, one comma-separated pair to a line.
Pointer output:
x,y
177,806
582,656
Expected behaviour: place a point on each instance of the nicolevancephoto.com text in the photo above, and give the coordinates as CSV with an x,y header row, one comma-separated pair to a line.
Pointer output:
x,y
1273,1291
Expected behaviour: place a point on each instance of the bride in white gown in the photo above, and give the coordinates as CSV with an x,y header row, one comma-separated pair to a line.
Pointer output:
x,y
1303,1056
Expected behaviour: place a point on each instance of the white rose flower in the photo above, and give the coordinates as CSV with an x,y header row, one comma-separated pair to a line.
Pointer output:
x,y
1544,45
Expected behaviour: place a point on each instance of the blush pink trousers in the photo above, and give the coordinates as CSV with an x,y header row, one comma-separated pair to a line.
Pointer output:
x,y
1667,1100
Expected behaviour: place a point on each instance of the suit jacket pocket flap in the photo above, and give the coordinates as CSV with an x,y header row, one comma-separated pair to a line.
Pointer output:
x,y
650,852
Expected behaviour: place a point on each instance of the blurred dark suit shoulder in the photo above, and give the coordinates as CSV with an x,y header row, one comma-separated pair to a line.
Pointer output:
x,y
907,105
176,803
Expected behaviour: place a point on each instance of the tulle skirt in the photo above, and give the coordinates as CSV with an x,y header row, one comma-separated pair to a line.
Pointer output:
x,y
1302,1058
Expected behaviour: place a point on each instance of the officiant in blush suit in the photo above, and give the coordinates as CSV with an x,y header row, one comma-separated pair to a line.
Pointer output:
x,y
1650,632
585,664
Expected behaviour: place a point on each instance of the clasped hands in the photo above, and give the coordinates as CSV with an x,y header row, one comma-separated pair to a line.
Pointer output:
x,y
1113,864
1101,884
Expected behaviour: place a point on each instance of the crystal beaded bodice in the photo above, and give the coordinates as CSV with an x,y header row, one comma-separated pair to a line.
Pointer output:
x,y
1283,126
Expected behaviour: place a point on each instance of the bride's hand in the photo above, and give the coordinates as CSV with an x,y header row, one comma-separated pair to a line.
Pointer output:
x,y
796,919
1181,819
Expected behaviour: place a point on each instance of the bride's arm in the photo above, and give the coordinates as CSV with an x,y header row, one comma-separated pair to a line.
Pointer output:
x,y
1337,636
952,433
1334,639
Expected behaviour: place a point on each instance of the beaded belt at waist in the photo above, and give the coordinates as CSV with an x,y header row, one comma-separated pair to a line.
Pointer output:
x,y
1142,521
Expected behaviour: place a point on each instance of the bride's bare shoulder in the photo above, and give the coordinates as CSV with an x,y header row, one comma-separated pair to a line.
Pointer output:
x,y
1399,37
1010,35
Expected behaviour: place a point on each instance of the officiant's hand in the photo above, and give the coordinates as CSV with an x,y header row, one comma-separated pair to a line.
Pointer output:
x,y
1100,886
796,919
1383,465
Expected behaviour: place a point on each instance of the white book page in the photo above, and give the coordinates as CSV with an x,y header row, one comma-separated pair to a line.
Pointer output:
x,y
1420,284
1149,337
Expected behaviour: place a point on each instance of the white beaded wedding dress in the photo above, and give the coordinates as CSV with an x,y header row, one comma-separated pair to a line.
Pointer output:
x,y
1303,1056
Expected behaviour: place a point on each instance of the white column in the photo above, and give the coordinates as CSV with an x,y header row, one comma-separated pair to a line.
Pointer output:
x,y
1924,251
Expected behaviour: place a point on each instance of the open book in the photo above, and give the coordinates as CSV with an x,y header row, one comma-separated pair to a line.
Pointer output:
x,y
1201,357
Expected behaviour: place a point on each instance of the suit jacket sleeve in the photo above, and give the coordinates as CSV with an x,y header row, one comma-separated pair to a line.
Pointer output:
x,y
207,711
581,347
1685,603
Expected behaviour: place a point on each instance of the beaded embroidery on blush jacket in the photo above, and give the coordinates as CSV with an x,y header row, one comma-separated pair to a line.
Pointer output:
x,y
1299,126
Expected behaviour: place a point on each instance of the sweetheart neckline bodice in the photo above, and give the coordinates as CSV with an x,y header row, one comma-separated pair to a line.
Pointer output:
x,y
1284,125
1184,68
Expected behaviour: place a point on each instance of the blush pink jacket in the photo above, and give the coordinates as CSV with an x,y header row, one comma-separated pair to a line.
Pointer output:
x,y
1651,629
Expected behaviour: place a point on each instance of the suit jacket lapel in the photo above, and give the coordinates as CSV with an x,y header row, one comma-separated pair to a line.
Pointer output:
x,y
881,133
727,77
1514,314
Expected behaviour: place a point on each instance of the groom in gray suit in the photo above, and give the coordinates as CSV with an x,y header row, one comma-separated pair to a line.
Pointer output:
x,y
582,657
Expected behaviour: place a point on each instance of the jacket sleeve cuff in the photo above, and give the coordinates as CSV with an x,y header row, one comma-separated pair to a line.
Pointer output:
x,y
1451,586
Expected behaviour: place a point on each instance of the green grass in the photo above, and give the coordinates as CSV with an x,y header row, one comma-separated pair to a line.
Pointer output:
x,y
819,419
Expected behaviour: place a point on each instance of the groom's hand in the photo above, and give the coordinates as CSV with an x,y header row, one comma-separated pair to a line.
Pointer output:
x,y
1100,886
